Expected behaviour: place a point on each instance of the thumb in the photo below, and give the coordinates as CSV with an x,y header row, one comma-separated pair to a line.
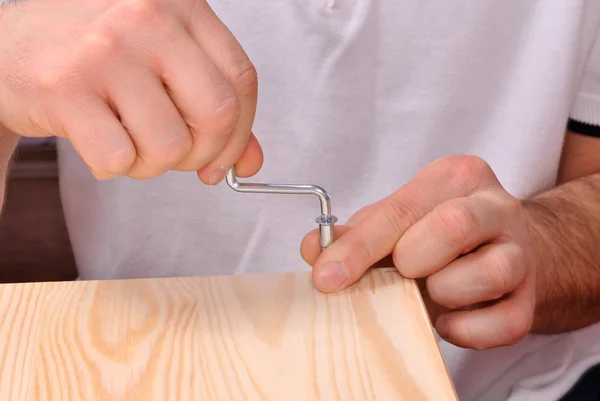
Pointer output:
x,y
310,248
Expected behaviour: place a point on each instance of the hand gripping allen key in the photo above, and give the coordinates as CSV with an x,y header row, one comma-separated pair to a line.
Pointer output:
x,y
326,220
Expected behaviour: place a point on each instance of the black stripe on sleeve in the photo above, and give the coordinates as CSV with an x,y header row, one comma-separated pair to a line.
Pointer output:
x,y
582,128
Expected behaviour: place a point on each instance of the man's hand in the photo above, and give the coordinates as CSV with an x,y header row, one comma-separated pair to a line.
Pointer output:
x,y
455,226
139,87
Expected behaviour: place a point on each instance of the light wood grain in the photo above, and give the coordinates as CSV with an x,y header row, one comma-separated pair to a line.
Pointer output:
x,y
249,337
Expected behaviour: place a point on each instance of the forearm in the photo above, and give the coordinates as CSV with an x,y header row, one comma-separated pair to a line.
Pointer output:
x,y
565,223
8,143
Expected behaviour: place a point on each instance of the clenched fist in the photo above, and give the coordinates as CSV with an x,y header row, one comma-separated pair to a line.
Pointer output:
x,y
455,228
139,87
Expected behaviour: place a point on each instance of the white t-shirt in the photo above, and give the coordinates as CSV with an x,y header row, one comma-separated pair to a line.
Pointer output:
x,y
356,96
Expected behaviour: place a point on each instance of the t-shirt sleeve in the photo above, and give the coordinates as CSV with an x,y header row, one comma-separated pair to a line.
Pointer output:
x,y
585,114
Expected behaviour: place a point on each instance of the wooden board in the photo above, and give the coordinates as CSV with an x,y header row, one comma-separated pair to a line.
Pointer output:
x,y
249,337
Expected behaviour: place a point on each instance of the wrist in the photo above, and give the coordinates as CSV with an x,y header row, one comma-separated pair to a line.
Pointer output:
x,y
539,218
565,255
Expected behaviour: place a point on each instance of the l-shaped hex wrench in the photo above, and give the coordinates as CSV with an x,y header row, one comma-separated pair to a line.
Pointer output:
x,y
326,220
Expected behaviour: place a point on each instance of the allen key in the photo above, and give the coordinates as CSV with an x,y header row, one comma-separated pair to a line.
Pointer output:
x,y
326,220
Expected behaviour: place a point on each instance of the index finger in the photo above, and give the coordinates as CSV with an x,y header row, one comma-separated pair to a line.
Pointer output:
x,y
373,238
221,46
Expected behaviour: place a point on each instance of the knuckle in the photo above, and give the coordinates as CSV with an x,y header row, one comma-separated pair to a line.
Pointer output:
x,y
465,169
174,150
497,279
363,254
142,11
517,324
145,15
218,118
464,328
54,79
49,80
244,77
401,214
167,154
457,222
118,161
113,159
223,115
514,207
100,44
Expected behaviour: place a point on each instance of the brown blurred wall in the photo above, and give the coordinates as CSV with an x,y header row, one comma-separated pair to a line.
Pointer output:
x,y
34,245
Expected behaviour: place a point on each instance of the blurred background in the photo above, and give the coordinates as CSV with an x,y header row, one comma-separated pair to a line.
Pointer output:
x,y
34,244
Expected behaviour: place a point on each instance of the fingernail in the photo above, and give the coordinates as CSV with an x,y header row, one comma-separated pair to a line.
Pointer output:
x,y
217,175
333,276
